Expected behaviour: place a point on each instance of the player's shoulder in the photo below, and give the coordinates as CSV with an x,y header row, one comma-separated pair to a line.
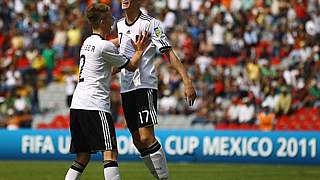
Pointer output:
x,y
146,17
98,40
107,43
108,46
121,20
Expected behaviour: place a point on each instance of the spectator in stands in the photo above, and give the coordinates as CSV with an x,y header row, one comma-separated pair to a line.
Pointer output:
x,y
253,70
18,111
49,56
22,104
313,97
74,40
169,20
205,47
204,61
232,112
17,40
60,40
266,119
174,81
7,105
216,112
270,101
168,103
34,97
45,34
290,76
315,92
246,111
218,35
37,61
284,102
12,78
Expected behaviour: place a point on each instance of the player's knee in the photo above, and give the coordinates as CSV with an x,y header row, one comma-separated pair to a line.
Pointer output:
x,y
146,140
136,140
110,155
142,139
136,137
83,158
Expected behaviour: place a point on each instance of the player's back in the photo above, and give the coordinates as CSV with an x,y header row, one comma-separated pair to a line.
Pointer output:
x,y
92,91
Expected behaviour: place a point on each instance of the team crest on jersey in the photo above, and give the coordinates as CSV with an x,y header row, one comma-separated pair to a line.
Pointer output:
x,y
158,32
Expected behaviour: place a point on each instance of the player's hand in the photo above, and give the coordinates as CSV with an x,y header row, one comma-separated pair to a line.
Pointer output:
x,y
115,70
190,94
142,41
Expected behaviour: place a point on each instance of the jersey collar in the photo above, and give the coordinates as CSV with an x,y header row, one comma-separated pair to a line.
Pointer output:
x,y
130,24
98,35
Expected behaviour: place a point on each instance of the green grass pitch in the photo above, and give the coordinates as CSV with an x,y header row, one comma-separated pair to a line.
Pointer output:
x,y
55,170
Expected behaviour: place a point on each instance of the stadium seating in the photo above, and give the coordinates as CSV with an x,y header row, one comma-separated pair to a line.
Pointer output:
x,y
58,122
304,119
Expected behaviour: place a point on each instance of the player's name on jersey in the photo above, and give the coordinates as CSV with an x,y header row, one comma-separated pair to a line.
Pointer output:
x,y
88,47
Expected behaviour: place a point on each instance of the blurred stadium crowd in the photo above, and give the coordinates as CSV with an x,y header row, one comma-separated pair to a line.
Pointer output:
x,y
255,63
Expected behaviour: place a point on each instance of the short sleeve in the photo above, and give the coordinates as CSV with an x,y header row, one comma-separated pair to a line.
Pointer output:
x,y
159,37
110,54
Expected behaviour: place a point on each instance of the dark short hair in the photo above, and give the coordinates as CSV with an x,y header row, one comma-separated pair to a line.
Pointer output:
x,y
95,13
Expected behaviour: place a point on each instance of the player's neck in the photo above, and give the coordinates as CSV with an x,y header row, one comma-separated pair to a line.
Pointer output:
x,y
132,15
99,32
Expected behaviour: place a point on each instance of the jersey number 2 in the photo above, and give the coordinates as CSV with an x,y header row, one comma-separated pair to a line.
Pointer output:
x,y
83,58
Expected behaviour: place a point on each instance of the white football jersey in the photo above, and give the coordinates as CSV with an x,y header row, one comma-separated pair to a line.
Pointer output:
x,y
145,75
97,56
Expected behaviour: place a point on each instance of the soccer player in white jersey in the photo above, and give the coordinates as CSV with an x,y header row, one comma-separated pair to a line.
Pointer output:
x,y
91,124
139,88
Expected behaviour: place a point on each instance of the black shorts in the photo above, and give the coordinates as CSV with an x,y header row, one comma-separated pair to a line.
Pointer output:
x,y
91,131
140,108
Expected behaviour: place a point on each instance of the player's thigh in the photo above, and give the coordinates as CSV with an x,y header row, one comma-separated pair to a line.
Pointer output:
x,y
146,107
130,111
78,138
83,158
103,131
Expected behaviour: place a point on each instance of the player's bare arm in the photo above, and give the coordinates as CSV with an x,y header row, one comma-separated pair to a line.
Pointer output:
x,y
189,91
115,41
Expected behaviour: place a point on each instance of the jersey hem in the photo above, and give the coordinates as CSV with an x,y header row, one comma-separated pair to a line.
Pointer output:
x,y
92,109
142,87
